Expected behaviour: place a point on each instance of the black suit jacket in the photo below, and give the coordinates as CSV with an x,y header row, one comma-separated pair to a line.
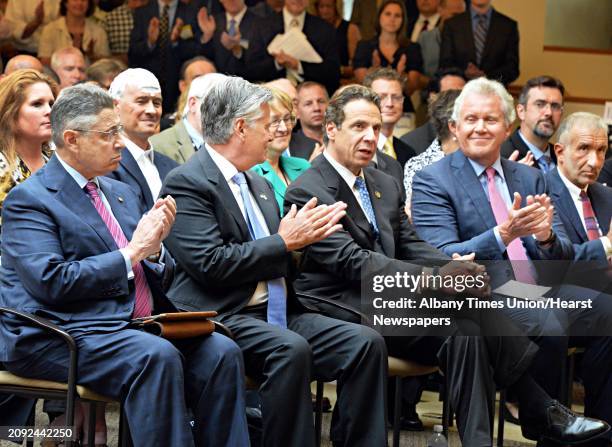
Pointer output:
x,y
516,143
419,139
129,172
500,59
390,166
403,151
320,34
605,176
218,266
300,145
333,267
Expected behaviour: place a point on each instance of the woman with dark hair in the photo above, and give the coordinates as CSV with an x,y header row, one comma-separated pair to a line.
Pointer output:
x,y
74,28
391,47
347,34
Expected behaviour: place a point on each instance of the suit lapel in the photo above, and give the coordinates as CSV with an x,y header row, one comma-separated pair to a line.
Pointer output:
x,y
131,167
470,36
185,145
565,205
264,197
120,209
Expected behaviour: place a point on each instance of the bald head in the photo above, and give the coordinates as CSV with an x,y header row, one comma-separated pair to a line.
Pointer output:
x,y
22,61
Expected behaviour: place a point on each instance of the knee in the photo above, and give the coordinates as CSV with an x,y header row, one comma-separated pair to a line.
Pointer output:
x,y
371,341
161,354
226,350
296,351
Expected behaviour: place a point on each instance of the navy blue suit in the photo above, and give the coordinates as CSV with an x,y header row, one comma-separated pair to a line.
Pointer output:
x,y
60,262
129,172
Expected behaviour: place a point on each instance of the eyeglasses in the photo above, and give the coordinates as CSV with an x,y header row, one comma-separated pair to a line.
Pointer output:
x,y
107,135
554,106
289,121
395,99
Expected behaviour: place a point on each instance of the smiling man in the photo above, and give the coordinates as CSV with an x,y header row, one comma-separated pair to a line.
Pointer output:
x,y
138,103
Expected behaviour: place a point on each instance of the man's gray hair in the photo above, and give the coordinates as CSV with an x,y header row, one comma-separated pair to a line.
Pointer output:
x,y
77,107
586,120
136,77
226,102
486,87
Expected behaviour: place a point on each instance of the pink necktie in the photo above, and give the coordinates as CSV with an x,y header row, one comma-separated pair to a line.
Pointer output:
x,y
515,250
590,220
142,307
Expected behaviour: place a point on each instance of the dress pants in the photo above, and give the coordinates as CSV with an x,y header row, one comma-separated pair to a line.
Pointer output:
x,y
314,347
157,381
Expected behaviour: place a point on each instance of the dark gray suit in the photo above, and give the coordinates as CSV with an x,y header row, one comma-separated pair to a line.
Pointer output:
x,y
420,138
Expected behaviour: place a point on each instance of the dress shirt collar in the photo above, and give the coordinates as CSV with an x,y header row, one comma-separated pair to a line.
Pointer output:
x,y
228,170
432,20
537,152
76,175
381,141
137,152
347,175
172,5
573,189
487,14
288,17
195,136
480,169
238,17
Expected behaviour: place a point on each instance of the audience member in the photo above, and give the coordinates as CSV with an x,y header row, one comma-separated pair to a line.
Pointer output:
x,y
364,17
118,26
482,42
606,173
228,234
280,170
69,66
268,8
368,243
430,39
347,34
307,141
474,201
321,36
286,86
182,140
76,28
27,19
107,279
445,79
137,97
428,19
445,143
539,108
103,71
391,48
21,62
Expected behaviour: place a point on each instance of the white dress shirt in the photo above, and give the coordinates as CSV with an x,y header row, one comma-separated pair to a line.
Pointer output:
x,y
432,21
145,161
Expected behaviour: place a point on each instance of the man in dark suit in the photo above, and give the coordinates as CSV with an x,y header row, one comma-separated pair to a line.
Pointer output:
x,y
138,103
375,235
234,255
321,35
539,108
474,201
310,104
482,42
162,40
605,176
427,19
77,252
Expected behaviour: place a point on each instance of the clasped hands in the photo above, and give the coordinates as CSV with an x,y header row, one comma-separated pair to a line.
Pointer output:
x,y
152,229
535,219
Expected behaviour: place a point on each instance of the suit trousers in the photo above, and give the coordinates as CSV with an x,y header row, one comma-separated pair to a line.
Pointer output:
x,y
157,381
314,347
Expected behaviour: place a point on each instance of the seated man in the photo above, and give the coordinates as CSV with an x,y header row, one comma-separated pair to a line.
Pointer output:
x,y
76,251
234,255
376,234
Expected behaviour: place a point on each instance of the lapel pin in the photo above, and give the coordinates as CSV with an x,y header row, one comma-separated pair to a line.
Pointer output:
x,y
120,199
263,196
377,194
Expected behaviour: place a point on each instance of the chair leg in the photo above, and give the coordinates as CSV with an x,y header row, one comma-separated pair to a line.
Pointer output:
x,y
31,423
500,422
571,366
91,436
319,413
397,411
447,417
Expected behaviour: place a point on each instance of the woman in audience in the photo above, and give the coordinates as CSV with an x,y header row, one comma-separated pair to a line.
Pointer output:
x,y
347,34
281,170
74,28
391,47
440,112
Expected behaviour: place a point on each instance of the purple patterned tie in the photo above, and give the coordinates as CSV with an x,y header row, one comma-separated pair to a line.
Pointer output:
x,y
142,308
515,250
590,221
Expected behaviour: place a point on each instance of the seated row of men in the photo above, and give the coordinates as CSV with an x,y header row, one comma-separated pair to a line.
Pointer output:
x,y
76,250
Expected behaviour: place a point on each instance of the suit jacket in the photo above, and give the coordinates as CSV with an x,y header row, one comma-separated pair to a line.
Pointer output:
x,y
605,176
500,59
301,145
420,138
451,211
174,143
129,172
403,151
218,265
140,55
322,37
332,268
516,143
390,166
60,262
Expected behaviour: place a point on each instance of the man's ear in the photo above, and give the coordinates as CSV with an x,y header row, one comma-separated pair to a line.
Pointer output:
x,y
559,149
520,111
240,126
70,138
330,130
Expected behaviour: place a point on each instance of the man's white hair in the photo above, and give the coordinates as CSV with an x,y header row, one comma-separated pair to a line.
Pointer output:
x,y
200,86
136,77
486,87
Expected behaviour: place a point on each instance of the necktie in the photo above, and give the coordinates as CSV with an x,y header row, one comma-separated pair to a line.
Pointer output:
x,y
515,250
294,23
590,221
277,298
388,148
232,28
425,25
480,36
142,307
544,163
164,36
367,204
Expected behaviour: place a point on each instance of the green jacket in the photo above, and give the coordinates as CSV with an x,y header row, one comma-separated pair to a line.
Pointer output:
x,y
291,166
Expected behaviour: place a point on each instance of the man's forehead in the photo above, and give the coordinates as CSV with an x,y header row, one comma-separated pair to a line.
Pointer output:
x,y
386,84
540,91
590,135
477,102
311,92
361,109
151,91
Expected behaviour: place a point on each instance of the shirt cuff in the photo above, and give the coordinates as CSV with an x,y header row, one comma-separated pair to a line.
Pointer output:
x,y
607,246
128,263
500,242
159,266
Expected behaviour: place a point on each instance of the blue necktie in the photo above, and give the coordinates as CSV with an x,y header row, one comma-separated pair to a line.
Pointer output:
x,y
545,163
232,28
367,203
277,298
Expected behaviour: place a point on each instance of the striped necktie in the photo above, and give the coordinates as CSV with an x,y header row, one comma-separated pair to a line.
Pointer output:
x,y
590,221
480,36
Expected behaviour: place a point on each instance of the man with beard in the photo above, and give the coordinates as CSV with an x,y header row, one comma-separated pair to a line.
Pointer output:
x,y
540,108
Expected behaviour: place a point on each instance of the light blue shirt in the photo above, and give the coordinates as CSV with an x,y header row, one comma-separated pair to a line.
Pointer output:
x,y
475,15
195,136
538,154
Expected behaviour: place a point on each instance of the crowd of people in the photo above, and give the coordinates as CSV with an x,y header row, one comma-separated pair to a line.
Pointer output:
x,y
156,156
